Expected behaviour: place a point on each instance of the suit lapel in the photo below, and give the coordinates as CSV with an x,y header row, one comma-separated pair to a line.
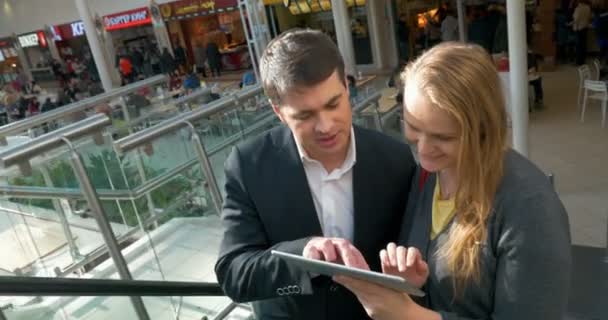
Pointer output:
x,y
296,192
421,225
363,188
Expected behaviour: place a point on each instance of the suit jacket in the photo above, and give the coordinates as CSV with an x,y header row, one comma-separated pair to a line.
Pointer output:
x,y
268,206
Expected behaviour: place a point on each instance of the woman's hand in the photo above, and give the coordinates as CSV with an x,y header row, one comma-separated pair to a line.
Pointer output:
x,y
379,302
406,263
382,303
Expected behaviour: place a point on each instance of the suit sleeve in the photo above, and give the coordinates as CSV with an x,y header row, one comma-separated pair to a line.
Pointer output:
x,y
245,268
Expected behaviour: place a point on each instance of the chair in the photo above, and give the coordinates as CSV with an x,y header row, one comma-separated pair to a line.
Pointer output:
x,y
599,92
598,69
584,73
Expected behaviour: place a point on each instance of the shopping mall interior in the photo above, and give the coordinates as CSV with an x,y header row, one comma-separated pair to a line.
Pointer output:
x,y
117,118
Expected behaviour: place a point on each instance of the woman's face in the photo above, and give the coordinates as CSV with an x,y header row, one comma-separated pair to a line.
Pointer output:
x,y
433,131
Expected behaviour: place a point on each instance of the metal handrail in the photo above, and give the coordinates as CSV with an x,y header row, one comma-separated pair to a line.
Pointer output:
x,y
363,104
386,115
31,192
31,122
46,142
170,125
30,149
43,286
191,96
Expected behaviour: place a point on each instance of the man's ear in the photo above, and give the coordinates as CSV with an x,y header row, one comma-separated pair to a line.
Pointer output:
x,y
277,111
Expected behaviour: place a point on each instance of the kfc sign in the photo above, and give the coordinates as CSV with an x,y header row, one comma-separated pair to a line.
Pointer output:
x,y
77,29
68,31
132,18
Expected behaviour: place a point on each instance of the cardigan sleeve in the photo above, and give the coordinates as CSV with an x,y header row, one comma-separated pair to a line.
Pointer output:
x,y
533,260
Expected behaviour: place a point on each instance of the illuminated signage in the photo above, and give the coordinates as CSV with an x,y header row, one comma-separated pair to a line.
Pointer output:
x,y
187,8
29,40
127,19
68,31
56,33
77,28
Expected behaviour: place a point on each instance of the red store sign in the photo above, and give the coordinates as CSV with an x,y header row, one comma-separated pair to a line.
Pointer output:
x,y
6,43
68,31
127,19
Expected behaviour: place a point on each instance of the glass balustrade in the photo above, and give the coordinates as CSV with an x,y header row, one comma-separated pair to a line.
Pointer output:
x,y
157,197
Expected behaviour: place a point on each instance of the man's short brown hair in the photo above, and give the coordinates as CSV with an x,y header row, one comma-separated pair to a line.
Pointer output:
x,y
298,58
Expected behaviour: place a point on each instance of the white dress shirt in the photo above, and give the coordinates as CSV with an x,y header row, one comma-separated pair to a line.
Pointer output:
x,y
332,192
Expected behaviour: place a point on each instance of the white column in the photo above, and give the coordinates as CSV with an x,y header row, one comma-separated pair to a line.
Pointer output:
x,y
393,58
518,67
343,35
162,37
51,43
160,30
373,26
23,60
461,24
95,44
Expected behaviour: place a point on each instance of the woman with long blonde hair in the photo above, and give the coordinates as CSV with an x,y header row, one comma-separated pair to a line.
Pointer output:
x,y
485,235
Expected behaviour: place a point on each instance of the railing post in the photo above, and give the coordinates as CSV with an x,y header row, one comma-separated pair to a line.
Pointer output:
x,y
207,170
74,252
377,119
90,195
139,163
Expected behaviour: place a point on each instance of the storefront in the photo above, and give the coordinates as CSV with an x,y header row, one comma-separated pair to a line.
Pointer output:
x,y
36,49
317,14
130,29
9,62
70,40
193,23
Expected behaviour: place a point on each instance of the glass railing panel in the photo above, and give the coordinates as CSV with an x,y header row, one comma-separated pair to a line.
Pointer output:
x,y
366,118
254,109
58,308
197,99
159,156
219,153
220,127
105,308
392,124
49,233
179,242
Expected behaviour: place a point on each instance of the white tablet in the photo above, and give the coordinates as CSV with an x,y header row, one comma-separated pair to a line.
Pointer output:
x,y
333,269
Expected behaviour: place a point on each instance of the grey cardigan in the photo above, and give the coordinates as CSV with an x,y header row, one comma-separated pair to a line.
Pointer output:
x,y
525,262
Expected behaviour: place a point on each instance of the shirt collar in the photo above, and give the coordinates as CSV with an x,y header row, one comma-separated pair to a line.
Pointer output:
x,y
349,161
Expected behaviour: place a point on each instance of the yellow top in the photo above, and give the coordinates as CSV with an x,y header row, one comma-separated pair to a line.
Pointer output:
x,y
443,211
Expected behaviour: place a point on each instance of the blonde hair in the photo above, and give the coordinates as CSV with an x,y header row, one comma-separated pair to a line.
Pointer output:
x,y
461,79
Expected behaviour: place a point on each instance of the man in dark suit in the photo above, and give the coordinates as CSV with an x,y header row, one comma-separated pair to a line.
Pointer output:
x,y
315,187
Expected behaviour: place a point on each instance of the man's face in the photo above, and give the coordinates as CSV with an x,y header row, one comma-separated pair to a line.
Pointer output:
x,y
320,118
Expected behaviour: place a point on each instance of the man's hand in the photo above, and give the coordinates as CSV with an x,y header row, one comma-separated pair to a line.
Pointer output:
x,y
404,262
335,250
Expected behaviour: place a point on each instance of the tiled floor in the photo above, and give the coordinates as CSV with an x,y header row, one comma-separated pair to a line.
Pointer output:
x,y
181,250
576,153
